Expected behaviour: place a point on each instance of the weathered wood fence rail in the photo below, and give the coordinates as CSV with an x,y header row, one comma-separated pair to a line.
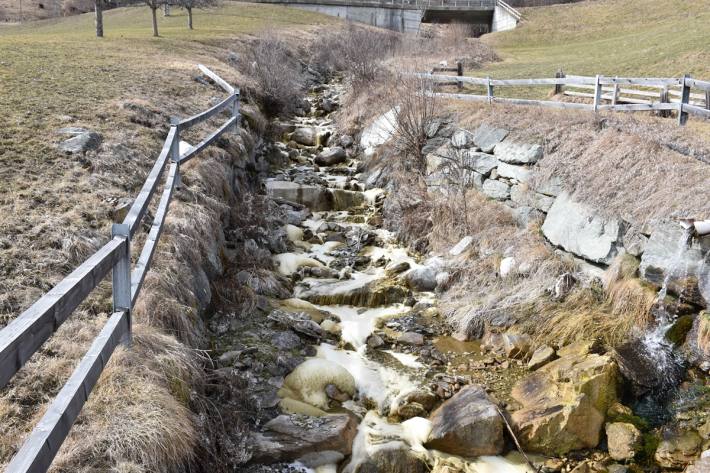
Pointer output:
x,y
22,337
618,91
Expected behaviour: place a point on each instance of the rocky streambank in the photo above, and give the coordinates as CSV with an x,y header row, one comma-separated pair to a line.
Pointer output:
x,y
347,363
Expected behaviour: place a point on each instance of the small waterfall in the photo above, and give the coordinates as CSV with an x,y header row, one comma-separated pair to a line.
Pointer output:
x,y
655,354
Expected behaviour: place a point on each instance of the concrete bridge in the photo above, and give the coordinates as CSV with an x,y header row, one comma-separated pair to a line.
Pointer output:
x,y
406,15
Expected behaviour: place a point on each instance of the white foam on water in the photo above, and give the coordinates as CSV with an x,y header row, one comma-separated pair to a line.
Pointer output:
x,y
383,385
358,324
321,251
511,463
288,263
308,381
372,194
406,359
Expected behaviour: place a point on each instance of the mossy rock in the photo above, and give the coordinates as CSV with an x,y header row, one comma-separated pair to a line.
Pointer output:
x,y
677,333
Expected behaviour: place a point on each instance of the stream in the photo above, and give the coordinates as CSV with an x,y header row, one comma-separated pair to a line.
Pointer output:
x,y
348,281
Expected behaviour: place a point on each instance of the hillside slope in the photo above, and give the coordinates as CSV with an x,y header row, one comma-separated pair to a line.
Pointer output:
x,y
610,37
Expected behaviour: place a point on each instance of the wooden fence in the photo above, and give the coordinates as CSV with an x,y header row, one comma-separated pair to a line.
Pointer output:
x,y
22,337
624,94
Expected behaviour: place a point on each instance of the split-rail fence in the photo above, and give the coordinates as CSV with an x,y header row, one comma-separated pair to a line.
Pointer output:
x,y
624,94
23,336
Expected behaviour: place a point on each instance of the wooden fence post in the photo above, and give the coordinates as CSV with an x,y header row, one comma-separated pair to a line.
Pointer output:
x,y
665,99
235,110
121,278
707,99
459,72
597,94
175,149
615,96
559,75
684,98
489,90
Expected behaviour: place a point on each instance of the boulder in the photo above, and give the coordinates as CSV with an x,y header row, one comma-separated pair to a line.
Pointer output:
x,y
487,137
649,368
468,424
461,139
507,267
551,186
481,163
422,278
288,437
678,449
315,198
331,156
363,292
496,189
624,440
518,153
305,136
82,140
703,334
581,230
564,403
540,357
379,132
512,345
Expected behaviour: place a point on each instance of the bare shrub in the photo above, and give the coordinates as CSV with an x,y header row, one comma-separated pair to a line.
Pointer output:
x,y
277,72
415,109
358,51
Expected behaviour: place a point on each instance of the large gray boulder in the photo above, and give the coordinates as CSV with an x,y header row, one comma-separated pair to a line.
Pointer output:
x,y
468,424
288,437
518,153
82,140
496,189
581,230
512,171
482,163
487,137
422,278
331,156
523,196
305,136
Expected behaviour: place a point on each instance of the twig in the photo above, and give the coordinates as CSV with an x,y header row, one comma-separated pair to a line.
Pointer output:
x,y
515,439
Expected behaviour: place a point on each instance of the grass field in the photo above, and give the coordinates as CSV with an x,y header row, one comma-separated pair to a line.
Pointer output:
x,y
652,38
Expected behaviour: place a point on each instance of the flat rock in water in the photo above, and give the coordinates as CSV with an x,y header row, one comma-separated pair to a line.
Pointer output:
x,y
305,136
541,357
468,424
487,137
288,437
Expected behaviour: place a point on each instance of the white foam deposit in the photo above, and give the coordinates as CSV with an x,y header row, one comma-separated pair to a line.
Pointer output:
x,y
358,324
288,263
383,385
308,381
406,359
379,132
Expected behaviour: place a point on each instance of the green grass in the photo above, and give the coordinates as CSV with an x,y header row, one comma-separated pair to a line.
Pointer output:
x,y
637,38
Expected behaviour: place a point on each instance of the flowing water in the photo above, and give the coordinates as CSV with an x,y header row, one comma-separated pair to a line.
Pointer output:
x,y
336,283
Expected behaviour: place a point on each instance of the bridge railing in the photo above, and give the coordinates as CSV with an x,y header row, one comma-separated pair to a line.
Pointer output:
x,y
24,335
674,94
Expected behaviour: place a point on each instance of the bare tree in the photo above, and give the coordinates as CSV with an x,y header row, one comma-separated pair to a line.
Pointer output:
x,y
154,5
190,4
99,10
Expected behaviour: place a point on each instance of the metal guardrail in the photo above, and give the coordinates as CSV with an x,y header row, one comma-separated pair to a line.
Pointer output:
x,y
23,336
683,105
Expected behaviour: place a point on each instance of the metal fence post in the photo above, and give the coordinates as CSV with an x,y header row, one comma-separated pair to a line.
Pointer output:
x,y
665,98
489,90
684,99
121,278
707,99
